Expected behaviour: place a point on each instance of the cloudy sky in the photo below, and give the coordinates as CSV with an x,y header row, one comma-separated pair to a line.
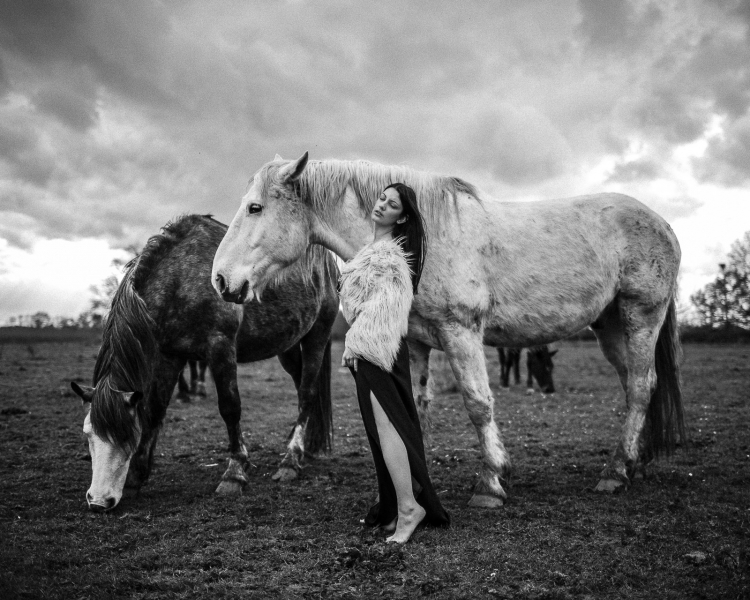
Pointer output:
x,y
117,116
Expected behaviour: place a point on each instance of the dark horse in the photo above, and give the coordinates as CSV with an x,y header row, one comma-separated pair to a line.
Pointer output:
x,y
197,385
539,365
164,313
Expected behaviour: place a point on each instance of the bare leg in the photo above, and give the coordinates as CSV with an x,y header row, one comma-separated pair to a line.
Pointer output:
x,y
410,513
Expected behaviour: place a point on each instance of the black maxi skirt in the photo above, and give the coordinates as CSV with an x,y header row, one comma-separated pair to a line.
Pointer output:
x,y
393,391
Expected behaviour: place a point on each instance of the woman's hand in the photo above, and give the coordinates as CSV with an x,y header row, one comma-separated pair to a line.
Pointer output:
x,y
349,359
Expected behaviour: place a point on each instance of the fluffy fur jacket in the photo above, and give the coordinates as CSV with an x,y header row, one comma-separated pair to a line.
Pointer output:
x,y
376,294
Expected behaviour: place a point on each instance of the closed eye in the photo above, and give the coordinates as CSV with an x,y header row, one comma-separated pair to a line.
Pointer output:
x,y
254,208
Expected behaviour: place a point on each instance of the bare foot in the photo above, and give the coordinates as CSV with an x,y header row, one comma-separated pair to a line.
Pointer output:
x,y
406,524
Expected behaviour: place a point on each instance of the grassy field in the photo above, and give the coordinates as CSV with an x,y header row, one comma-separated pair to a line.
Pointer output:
x,y
683,532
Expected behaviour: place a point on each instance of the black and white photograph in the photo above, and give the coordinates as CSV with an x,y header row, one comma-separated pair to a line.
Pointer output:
x,y
338,299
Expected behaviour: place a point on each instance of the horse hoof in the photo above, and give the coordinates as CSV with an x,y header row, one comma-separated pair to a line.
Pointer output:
x,y
229,488
609,486
485,501
284,474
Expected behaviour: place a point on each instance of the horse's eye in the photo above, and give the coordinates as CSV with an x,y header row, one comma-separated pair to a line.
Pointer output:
x,y
254,208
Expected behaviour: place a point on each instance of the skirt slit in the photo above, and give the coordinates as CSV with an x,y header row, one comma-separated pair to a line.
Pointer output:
x,y
394,394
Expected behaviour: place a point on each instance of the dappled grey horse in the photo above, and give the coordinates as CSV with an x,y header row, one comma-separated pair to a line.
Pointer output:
x,y
512,274
164,313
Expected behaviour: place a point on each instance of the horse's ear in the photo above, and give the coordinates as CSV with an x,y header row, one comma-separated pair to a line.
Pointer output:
x,y
293,170
86,393
132,398
277,157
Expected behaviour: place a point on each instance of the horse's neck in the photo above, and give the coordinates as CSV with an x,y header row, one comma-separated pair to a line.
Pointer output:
x,y
346,234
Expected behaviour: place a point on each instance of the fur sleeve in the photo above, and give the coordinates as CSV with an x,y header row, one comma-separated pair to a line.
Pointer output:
x,y
382,309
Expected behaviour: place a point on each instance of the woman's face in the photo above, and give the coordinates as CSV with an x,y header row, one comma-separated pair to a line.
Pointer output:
x,y
388,208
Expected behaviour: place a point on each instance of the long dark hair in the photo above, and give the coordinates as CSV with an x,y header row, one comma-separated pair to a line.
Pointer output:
x,y
411,231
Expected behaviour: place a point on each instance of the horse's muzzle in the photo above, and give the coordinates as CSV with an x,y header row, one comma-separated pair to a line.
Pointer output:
x,y
227,295
100,505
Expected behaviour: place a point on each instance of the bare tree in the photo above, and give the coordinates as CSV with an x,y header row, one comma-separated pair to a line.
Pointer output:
x,y
41,319
102,293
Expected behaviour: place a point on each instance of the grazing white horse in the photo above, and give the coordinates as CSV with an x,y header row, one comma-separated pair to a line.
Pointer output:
x,y
508,274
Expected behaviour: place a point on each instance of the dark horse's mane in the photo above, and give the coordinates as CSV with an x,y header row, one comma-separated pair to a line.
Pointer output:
x,y
125,359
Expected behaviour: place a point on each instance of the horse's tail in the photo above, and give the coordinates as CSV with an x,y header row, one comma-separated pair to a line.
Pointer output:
x,y
665,416
319,432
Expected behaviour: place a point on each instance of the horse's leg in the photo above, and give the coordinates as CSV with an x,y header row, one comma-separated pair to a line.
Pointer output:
x,y
627,335
516,366
504,368
166,373
529,377
312,431
421,384
202,365
193,375
183,389
222,359
466,356
291,361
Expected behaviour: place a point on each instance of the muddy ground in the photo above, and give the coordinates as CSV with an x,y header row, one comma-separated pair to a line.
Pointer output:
x,y
683,532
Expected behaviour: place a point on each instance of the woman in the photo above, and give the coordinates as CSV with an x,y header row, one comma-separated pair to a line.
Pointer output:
x,y
377,287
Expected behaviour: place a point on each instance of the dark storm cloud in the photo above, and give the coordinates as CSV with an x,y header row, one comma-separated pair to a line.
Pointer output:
x,y
4,83
137,111
616,25
678,72
122,43
78,111
27,161
727,158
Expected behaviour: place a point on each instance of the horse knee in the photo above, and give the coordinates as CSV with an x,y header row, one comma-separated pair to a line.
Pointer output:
x,y
480,409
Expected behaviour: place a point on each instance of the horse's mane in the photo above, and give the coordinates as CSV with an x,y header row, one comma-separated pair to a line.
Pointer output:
x,y
324,182
124,364
159,245
125,359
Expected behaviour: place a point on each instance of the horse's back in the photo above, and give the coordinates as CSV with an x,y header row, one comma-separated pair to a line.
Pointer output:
x,y
174,279
535,272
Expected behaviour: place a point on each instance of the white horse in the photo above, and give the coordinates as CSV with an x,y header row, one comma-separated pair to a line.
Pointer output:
x,y
506,274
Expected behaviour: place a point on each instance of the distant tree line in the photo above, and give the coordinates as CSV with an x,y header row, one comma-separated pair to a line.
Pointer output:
x,y
723,306
93,316
725,302
88,319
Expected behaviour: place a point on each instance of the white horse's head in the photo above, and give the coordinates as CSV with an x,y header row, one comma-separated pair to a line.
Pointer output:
x,y
111,448
270,231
